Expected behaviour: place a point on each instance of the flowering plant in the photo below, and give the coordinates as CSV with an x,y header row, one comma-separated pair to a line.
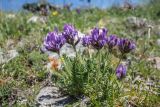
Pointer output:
x,y
80,73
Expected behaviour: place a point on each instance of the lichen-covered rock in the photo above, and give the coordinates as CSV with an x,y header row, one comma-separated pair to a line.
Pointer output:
x,y
51,97
7,56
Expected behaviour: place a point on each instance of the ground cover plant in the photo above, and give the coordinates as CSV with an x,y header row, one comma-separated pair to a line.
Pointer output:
x,y
119,66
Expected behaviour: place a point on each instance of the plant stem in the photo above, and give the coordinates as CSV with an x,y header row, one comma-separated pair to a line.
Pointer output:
x,y
98,64
119,61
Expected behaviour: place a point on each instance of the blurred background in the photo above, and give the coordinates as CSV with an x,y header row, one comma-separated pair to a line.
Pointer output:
x,y
16,5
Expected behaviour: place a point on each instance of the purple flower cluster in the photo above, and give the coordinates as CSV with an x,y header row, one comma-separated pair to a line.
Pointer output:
x,y
112,41
54,41
121,71
97,39
86,41
70,34
126,45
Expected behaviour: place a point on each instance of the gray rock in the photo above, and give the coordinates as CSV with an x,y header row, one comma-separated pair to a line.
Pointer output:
x,y
35,19
6,57
51,97
136,22
68,50
49,53
84,102
80,48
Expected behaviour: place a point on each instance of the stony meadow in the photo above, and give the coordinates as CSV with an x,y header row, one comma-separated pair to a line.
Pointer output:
x,y
113,62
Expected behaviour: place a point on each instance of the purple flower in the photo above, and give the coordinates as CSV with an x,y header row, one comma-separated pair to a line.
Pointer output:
x,y
126,45
121,71
112,41
54,41
98,38
70,34
86,41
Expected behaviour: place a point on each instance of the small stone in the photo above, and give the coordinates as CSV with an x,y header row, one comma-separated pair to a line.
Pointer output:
x,y
35,19
156,62
80,48
84,102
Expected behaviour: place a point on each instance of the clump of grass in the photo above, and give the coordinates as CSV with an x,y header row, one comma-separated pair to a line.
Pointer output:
x,y
6,93
92,77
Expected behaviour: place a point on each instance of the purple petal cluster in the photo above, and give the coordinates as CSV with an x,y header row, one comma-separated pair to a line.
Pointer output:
x,y
86,41
121,71
70,34
98,38
126,45
54,41
112,41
